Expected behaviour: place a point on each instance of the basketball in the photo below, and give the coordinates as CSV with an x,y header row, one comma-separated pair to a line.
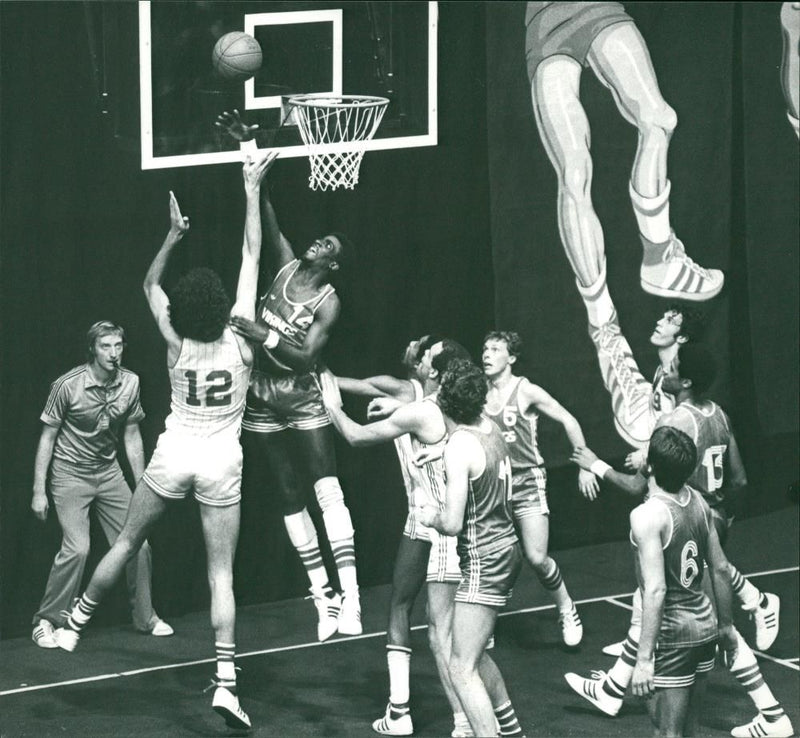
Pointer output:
x,y
236,56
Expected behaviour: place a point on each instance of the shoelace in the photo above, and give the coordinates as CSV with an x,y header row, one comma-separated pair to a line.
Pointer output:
x,y
607,336
677,252
597,675
226,683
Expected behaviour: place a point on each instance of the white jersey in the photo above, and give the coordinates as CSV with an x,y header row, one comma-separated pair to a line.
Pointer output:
x,y
405,452
209,386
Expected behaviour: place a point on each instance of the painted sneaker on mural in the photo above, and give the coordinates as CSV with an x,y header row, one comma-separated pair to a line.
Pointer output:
x,y
677,276
630,391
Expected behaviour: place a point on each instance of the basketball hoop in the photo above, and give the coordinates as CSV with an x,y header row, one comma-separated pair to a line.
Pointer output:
x,y
335,129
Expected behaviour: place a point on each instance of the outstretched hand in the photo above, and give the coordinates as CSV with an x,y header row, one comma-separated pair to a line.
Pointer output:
x,y
636,460
232,124
178,223
254,170
588,485
249,329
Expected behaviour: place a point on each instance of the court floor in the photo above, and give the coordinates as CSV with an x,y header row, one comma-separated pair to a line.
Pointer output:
x,y
118,683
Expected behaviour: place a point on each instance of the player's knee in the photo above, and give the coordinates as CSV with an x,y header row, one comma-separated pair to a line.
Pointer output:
x,y
538,559
76,550
660,118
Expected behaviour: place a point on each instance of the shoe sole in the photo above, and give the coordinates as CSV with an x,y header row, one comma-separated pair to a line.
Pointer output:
x,y
44,645
615,650
676,295
231,720
376,728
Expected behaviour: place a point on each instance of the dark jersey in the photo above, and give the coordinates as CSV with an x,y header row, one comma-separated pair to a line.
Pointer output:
x,y
488,524
689,618
290,319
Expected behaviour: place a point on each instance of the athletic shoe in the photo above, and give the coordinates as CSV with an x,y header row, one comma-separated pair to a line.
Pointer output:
x,y
630,391
760,727
66,638
462,729
226,704
571,627
592,691
678,277
490,642
328,605
350,614
767,621
160,629
389,725
614,649
43,634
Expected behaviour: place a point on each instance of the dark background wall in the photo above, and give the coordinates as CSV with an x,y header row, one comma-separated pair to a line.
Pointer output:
x,y
81,222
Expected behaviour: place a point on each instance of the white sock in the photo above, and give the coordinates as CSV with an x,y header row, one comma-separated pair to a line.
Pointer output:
x,y
652,214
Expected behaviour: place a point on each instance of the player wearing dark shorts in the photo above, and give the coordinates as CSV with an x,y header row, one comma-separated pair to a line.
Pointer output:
x,y
285,419
718,474
673,540
478,510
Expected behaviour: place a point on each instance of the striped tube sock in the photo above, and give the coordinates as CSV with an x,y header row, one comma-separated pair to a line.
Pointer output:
x,y
311,557
553,579
226,672
81,613
747,672
619,676
507,719
344,554
744,590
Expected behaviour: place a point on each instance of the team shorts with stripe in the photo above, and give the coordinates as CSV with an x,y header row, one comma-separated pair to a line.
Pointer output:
x,y
529,493
210,467
416,531
275,403
488,578
568,29
443,563
678,667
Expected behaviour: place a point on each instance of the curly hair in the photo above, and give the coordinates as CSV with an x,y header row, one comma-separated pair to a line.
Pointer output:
x,y
199,306
693,324
511,339
462,393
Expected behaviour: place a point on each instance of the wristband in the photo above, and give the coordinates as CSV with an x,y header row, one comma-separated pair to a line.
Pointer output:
x,y
271,341
599,468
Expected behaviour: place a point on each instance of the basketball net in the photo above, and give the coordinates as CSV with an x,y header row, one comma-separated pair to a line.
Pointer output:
x,y
335,129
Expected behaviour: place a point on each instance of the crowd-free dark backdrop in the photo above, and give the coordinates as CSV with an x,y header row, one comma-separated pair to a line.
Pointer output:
x,y
444,245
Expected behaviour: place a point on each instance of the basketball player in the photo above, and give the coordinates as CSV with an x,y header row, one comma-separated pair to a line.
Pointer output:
x,y
790,62
89,408
285,416
674,539
209,368
514,404
478,510
423,553
561,38
719,473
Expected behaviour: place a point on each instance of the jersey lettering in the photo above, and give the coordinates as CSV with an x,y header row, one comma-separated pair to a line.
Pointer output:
x,y
218,393
713,464
504,473
689,565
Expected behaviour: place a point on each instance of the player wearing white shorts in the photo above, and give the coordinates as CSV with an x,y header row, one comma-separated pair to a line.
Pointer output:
x,y
478,510
422,424
209,370
514,404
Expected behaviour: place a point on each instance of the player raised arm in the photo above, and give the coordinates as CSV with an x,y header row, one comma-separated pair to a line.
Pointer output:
x,y
156,297
413,418
545,403
253,172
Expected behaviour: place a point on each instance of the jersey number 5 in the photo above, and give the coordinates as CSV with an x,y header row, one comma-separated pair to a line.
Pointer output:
x,y
218,392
